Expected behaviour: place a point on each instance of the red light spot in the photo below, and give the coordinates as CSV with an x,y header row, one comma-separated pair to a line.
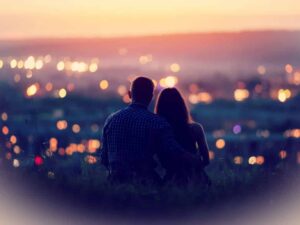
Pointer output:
x,y
38,160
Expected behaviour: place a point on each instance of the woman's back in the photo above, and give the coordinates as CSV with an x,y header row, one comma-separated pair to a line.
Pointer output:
x,y
192,139
184,135
189,135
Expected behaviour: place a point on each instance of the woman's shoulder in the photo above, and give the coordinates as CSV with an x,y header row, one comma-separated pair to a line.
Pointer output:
x,y
195,125
196,128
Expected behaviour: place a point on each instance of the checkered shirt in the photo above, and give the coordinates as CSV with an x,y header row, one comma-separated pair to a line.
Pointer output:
x,y
134,134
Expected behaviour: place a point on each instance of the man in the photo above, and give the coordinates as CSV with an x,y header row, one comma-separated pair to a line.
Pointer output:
x,y
133,135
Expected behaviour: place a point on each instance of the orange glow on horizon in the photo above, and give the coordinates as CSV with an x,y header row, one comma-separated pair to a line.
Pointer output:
x,y
122,18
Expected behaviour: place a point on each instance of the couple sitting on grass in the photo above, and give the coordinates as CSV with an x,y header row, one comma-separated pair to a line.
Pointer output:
x,y
136,141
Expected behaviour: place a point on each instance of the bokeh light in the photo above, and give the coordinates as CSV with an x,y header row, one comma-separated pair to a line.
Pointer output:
x,y
220,143
241,94
32,89
103,84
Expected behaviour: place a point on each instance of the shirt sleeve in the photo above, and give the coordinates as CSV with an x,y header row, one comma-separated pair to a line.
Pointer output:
x,y
104,149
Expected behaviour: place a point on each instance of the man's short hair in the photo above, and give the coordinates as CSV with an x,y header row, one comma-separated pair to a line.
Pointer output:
x,y
142,90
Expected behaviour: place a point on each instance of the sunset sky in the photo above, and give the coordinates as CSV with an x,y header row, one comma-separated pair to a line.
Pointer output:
x,y
90,18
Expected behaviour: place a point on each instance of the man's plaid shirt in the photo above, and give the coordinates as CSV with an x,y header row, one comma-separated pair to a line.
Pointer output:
x,y
134,135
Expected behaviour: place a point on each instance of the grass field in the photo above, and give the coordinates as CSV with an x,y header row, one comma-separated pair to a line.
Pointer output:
x,y
74,182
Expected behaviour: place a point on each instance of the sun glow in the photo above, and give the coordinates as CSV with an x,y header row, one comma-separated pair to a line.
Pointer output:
x,y
127,17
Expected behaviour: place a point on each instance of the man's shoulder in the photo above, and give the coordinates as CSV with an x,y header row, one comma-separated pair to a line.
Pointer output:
x,y
151,118
115,115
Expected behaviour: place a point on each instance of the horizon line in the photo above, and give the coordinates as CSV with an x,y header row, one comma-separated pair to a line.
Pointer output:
x,y
132,36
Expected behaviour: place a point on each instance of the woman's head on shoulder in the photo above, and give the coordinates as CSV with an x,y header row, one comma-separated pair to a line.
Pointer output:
x,y
171,105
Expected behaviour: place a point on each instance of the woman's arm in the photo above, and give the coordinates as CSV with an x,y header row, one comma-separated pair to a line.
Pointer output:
x,y
200,138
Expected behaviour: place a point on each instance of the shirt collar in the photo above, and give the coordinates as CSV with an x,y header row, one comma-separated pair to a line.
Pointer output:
x,y
138,105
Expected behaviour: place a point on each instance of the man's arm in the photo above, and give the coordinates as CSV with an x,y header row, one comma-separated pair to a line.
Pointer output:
x,y
104,149
171,148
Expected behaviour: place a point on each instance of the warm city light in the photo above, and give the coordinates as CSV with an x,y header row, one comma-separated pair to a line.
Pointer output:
x,y
62,124
16,163
4,116
32,89
103,84
17,78
126,98
220,143
282,154
144,59
122,90
17,149
193,99
260,160
238,160
241,94
261,70
289,68
13,139
5,130
284,94
90,159
175,68
168,82
49,86
93,67
60,66
62,93
53,143
20,64
296,78
30,63
13,63
252,160
39,64
76,128
205,97
93,145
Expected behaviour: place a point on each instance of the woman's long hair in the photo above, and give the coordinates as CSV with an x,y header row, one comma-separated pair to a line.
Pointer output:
x,y
171,106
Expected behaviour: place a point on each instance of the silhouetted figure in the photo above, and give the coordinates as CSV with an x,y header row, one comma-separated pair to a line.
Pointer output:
x,y
128,137
190,135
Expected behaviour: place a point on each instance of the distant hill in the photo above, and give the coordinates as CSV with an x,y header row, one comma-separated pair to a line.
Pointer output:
x,y
262,46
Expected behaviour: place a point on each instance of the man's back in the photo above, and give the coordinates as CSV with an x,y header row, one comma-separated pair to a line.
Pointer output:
x,y
128,136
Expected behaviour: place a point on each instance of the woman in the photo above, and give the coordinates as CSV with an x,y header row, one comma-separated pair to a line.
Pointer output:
x,y
190,135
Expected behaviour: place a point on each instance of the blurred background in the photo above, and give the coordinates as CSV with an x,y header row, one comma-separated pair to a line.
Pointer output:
x,y
65,66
